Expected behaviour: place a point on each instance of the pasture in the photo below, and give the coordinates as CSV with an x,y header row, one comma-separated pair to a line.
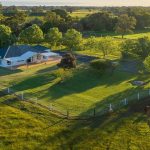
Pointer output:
x,y
26,126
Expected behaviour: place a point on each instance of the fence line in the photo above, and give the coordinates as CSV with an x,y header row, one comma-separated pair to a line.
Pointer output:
x,y
89,113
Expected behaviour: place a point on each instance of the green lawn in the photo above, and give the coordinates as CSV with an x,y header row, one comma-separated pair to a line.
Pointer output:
x,y
80,93
26,126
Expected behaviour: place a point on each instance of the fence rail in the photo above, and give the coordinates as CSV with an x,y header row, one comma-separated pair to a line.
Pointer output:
x,y
84,113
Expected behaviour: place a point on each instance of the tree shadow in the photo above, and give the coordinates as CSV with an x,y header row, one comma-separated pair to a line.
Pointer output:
x,y
83,80
5,71
47,70
79,131
34,82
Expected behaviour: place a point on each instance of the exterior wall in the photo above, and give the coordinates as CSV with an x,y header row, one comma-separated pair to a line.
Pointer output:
x,y
3,63
15,63
22,60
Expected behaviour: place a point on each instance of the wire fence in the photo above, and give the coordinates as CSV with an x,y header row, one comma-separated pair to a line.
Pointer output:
x,y
79,112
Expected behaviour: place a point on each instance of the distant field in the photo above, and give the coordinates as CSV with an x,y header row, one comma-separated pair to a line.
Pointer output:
x,y
135,35
82,13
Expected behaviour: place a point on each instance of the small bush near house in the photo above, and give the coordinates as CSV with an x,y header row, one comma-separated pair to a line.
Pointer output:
x,y
101,65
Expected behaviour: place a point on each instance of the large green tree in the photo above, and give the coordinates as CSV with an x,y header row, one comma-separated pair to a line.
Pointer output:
x,y
31,35
51,20
105,45
125,24
102,21
72,39
6,37
16,22
139,48
53,36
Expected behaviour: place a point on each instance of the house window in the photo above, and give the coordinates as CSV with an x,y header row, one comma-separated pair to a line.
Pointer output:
x,y
44,57
8,62
38,56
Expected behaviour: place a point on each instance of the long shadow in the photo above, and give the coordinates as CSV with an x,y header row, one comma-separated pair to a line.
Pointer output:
x,y
47,70
79,131
34,81
116,100
5,71
84,80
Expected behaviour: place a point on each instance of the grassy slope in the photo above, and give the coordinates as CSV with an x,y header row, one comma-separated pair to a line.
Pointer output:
x,y
25,126
81,92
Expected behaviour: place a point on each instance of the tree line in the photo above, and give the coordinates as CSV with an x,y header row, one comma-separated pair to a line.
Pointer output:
x,y
105,20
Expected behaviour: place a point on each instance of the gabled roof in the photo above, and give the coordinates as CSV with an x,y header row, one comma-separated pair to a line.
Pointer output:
x,y
18,50
3,52
40,48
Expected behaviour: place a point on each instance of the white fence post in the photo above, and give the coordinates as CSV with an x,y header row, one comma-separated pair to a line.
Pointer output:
x,y
125,101
22,95
138,96
8,90
51,107
110,108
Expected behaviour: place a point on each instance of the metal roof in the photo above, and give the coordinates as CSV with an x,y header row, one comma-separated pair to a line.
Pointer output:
x,y
18,50
3,52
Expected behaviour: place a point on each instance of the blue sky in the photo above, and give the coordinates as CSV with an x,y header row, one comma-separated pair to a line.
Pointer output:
x,y
78,2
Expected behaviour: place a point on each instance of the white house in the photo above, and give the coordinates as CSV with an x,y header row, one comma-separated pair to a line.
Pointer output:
x,y
24,54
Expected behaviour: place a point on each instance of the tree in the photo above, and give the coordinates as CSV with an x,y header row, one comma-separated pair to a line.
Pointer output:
x,y
91,43
139,48
147,63
16,22
51,20
143,47
53,36
125,24
1,7
72,39
5,36
36,21
102,21
68,61
31,35
62,13
105,45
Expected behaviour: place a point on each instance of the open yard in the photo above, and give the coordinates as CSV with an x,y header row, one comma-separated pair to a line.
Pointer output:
x,y
83,90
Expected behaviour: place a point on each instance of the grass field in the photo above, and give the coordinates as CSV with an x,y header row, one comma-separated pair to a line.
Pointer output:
x,y
82,13
25,126
73,95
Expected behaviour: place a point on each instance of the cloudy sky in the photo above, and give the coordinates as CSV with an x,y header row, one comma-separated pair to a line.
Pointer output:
x,y
78,2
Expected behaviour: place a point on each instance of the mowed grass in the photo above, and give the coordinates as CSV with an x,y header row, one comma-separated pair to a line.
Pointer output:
x,y
84,90
26,126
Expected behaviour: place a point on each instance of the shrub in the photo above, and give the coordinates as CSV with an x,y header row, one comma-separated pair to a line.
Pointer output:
x,y
147,63
101,65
